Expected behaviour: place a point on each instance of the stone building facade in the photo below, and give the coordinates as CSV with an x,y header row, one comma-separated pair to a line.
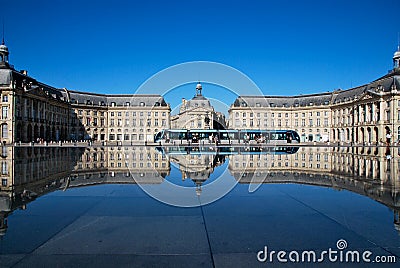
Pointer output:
x,y
32,111
368,114
122,118
309,115
198,113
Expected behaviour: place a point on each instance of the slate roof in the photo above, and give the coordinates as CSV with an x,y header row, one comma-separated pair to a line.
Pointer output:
x,y
5,76
283,101
384,84
347,95
8,74
149,100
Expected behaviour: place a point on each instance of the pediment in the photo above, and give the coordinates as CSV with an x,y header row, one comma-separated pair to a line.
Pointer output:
x,y
38,92
367,96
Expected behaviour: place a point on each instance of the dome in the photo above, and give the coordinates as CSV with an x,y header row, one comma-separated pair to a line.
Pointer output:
x,y
198,86
396,54
3,48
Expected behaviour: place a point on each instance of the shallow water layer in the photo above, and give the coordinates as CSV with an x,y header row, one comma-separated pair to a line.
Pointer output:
x,y
206,207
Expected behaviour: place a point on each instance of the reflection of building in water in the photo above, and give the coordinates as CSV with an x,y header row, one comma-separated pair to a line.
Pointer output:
x,y
373,172
120,165
370,171
7,167
29,172
376,164
29,166
197,167
34,171
308,159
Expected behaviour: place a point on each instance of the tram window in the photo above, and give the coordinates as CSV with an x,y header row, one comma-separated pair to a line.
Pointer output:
x,y
278,136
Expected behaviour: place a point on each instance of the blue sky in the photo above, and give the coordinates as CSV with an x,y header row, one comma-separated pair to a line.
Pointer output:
x,y
285,47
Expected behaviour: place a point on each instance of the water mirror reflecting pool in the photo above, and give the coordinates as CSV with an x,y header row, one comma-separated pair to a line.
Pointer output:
x,y
198,206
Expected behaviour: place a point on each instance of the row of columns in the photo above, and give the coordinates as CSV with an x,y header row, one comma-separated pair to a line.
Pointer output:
x,y
34,132
380,168
362,113
37,110
363,135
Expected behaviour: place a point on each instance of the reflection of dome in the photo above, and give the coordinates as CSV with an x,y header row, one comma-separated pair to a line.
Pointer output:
x,y
3,224
3,231
200,177
198,190
397,227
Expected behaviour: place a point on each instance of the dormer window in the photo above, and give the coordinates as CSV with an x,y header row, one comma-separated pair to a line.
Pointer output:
x,y
142,104
112,104
258,104
88,102
157,104
311,103
244,104
127,104
296,104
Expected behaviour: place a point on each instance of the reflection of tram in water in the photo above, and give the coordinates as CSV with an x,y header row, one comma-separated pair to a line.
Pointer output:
x,y
237,150
217,136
